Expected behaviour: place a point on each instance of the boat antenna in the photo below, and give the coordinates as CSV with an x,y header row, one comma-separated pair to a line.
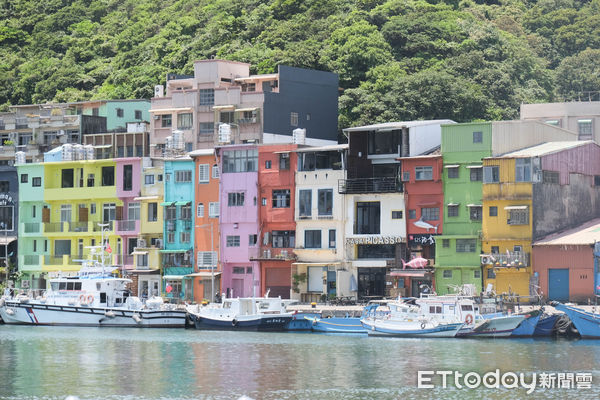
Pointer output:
x,y
104,229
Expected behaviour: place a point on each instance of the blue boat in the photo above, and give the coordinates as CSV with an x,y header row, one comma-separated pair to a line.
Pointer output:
x,y
527,327
301,322
347,324
545,326
587,323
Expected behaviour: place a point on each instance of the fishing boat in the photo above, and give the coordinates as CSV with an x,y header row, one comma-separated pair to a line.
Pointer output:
x,y
546,324
527,327
343,324
252,313
94,297
587,323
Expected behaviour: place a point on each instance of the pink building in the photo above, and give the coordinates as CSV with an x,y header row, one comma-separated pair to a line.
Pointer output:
x,y
239,220
127,223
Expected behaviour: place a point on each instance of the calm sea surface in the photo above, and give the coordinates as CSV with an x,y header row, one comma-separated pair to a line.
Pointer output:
x,y
109,363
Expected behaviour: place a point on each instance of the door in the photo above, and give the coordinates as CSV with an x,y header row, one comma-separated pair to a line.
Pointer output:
x,y
331,290
237,288
558,284
418,286
277,281
371,282
189,295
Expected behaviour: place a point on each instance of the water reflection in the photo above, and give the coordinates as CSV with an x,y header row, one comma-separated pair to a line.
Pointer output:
x,y
52,362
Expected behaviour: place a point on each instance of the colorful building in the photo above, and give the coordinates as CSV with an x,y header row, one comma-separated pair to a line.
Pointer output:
x,y
239,225
320,270
531,193
178,234
207,275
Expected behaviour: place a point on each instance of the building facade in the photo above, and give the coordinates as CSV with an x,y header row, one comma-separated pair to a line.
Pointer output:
x,y
581,117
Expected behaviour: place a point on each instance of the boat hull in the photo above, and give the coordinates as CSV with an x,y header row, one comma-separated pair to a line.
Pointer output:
x,y
527,327
410,329
13,312
494,327
545,326
253,323
588,324
338,325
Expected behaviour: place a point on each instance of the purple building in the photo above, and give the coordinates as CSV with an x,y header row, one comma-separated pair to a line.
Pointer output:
x,y
239,219
128,185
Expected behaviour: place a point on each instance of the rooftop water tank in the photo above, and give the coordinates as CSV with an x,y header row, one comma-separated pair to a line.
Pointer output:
x,y
299,136
225,133
67,152
20,157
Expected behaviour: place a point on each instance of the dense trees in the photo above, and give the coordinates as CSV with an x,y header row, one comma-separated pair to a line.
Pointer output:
x,y
397,59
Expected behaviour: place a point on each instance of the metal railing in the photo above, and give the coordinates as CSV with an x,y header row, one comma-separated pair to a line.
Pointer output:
x,y
506,259
369,185
31,227
126,225
78,226
53,227
32,259
270,253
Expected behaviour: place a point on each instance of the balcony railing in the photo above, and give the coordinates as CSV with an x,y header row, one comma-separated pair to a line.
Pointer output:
x,y
124,259
506,259
32,259
369,185
78,226
126,225
31,227
270,253
98,228
178,270
53,227
56,260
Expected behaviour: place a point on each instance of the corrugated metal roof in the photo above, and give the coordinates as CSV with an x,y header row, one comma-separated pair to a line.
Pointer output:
x,y
334,147
544,148
201,152
588,233
398,125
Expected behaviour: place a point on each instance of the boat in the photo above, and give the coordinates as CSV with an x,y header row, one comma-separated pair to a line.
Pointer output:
x,y
546,324
94,297
432,316
586,323
527,327
344,324
252,313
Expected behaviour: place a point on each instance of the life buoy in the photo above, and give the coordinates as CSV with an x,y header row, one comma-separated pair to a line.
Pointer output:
x,y
82,299
422,325
469,319
90,299
234,322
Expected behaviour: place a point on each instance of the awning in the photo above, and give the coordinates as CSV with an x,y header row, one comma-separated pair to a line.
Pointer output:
x,y
247,109
172,277
452,166
452,204
282,152
256,77
323,264
474,166
415,274
103,146
584,121
173,251
169,110
143,271
429,203
204,274
474,205
167,203
142,198
182,203
139,253
516,207
224,107
4,240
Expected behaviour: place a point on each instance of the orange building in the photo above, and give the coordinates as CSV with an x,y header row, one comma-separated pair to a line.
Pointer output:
x,y
207,272
277,233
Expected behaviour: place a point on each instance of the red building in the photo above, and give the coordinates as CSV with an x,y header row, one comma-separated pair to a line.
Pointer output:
x,y
277,230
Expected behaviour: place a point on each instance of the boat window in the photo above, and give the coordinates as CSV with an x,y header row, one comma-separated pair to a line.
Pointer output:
x,y
263,306
466,307
62,286
227,304
118,300
435,309
54,286
451,308
70,285
77,285
97,286
102,297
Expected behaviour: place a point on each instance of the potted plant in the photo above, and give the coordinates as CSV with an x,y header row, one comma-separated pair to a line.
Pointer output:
x,y
297,279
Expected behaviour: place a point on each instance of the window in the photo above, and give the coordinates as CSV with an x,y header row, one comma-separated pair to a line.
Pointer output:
x,y
491,174
312,239
127,177
24,178
137,114
305,203
183,176
133,211
447,274
423,173
33,208
184,237
518,217
283,239
206,128
90,180
200,210
226,117
6,218
252,239
268,164
385,142
476,174
207,97
36,181
281,198
284,161
325,199
477,274
475,213
203,173
430,213
453,210
240,161
263,201
446,243
171,237
294,118
493,211
495,249
238,270
367,218
523,170
235,199
142,260
186,212
65,213
375,251
213,209
554,122
4,186
215,171
92,208
166,121
152,212
412,214
149,179
160,177
184,121
108,176
171,213
466,245
585,127
67,178
109,212
452,172
477,137
550,177
396,214
332,238
120,113
233,241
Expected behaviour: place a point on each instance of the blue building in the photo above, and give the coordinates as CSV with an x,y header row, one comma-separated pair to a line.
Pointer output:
x,y
9,209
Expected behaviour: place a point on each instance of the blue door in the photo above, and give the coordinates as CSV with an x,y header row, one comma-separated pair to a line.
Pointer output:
x,y
331,289
558,284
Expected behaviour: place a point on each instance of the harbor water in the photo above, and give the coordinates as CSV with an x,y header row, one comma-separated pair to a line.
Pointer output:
x,y
112,363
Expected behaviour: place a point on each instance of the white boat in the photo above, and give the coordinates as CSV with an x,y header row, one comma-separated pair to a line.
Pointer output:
x,y
252,313
92,298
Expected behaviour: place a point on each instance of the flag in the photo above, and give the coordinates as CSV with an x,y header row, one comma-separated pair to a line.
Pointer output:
x,y
108,249
169,288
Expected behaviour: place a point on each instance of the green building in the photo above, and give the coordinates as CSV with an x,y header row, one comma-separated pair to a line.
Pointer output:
x,y
117,112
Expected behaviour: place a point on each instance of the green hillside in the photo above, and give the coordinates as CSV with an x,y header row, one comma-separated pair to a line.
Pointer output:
x,y
397,59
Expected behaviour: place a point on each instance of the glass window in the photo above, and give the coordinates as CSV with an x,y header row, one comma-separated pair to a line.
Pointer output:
x,y
518,217
235,199
200,210
452,172
215,171
268,164
294,118
213,209
108,176
127,177
423,173
491,274
385,142
476,174
137,114
281,198
284,161
283,239
133,211
312,239
412,214
466,245
493,211
252,239
206,128
233,241
446,243
367,218
447,274
453,211
6,218
475,213
183,176
4,186
240,161
585,127
171,213
120,113
36,181
477,274
24,178
203,173
477,137
149,179
491,174
186,212
375,251
109,212
67,178
523,170
430,213
549,177
325,198
305,203
184,121
207,97
332,238
166,121
396,214
152,212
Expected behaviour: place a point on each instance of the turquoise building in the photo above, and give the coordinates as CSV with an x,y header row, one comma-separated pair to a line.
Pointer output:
x,y
117,112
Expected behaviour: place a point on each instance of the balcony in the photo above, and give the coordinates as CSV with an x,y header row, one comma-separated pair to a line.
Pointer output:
x,y
124,259
370,185
57,260
507,259
269,253
78,226
127,225
31,227
178,270
32,259
98,228
53,227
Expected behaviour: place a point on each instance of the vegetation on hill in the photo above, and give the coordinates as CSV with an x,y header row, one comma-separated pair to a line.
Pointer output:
x,y
397,59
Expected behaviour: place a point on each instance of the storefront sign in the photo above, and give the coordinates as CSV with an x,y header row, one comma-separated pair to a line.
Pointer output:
x,y
375,240
422,239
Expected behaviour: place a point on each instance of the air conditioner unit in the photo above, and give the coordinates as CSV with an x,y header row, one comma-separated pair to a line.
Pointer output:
x,y
159,91
158,243
141,243
487,259
25,284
